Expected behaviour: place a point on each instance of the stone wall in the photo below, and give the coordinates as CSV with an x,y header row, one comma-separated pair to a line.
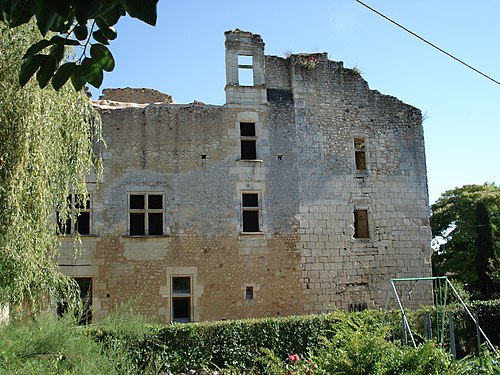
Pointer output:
x,y
305,257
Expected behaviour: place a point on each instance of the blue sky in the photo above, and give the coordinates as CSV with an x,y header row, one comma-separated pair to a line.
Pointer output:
x,y
184,57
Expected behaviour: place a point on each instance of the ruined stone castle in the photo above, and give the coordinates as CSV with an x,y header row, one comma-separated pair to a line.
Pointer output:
x,y
306,192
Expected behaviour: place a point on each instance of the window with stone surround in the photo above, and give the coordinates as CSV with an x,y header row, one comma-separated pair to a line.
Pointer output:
x,y
360,153
78,219
248,141
250,212
245,70
146,214
249,293
85,286
361,224
181,299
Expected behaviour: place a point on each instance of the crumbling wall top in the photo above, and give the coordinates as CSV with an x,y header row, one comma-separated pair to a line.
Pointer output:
x,y
136,95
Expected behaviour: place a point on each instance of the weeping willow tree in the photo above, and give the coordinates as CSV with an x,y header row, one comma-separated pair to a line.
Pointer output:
x,y
45,147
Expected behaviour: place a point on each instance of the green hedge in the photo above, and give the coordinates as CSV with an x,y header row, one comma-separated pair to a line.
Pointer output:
x,y
231,344
238,344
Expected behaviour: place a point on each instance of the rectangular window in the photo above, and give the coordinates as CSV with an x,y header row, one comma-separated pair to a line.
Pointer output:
x,y
360,154
361,224
245,70
146,214
250,208
85,285
249,292
79,216
181,299
248,141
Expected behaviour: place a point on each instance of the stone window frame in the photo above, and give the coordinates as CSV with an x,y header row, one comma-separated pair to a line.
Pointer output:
x,y
360,153
246,138
87,301
178,296
146,211
356,213
257,208
74,214
255,289
247,68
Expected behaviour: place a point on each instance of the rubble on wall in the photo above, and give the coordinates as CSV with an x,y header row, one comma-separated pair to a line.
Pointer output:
x,y
136,95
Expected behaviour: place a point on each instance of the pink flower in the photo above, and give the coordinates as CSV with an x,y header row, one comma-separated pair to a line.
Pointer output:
x,y
293,357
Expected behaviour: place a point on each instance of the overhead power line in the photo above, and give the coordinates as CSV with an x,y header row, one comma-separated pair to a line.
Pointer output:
x,y
429,43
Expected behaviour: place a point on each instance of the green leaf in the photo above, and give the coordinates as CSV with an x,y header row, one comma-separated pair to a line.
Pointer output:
x,y
62,75
77,79
29,67
45,18
109,33
99,37
92,72
86,9
112,16
57,51
20,12
145,10
37,47
102,56
62,8
64,41
81,32
46,71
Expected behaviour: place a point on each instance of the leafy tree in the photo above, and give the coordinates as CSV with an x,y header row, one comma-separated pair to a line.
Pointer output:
x,y
467,220
78,24
45,143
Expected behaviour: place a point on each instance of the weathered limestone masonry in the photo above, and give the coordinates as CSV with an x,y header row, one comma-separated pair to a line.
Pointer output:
x,y
305,193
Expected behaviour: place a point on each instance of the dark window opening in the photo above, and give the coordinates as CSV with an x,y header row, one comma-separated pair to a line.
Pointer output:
x,y
83,223
181,309
361,224
155,201
250,203
250,221
247,129
78,218
136,201
85,286
181,299
248,149
146,214
181,285
248,141
249,292
250,200
137,225
155,224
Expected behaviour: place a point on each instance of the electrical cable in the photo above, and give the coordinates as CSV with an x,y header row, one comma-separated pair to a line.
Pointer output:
x,y
429,43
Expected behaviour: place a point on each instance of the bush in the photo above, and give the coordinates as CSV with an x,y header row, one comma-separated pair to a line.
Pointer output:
x,y
49,345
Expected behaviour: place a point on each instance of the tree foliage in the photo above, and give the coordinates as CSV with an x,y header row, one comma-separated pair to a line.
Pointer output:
x,y
467,219
45,143
78,24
